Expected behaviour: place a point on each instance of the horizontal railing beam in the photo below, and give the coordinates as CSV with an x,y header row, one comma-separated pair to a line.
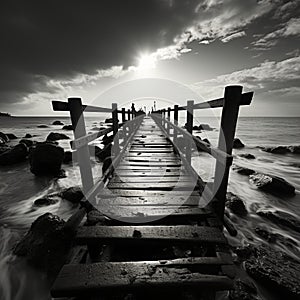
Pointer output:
x,y
245,100
64,106
221,156
82,141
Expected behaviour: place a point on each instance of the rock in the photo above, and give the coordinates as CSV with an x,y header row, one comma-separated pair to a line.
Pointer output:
x,y
237,144
107,139
46,159
295,149
247,155
54,136
205,127
196,128
45,201
11,136
272,184
109,120
277,150
275,271
265,234
236,204
206,141
96,217
243,252
243,170
106,152
2,141
280,218
68,157
28,143
46,245
243,290
28,136
43,126
4,137
67,127
14,155
58,123
4,148
106,164
72,194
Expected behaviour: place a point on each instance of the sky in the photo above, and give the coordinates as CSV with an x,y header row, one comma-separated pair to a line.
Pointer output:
x,y
140,50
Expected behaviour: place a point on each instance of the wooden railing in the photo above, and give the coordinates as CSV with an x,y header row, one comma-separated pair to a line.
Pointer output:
x,y
122,133
232,100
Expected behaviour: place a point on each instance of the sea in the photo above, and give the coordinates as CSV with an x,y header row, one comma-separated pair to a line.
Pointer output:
x,y
19,188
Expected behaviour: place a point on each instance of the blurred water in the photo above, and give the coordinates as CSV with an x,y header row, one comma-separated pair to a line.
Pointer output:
x,y
19,188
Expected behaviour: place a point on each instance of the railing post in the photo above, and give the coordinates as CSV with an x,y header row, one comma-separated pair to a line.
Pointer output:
x,y
232,98
169,118
115,124
175,123
124,127
83,153
189,128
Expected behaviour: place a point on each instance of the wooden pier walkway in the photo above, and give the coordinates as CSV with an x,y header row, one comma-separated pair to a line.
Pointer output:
x,y
150,238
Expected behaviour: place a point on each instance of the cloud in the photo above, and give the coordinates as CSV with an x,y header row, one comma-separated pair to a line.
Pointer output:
x,y
50,46
268,77
291,28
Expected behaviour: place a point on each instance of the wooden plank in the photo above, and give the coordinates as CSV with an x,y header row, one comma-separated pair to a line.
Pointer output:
x,y
145,193
138,234
134,173
141,179
151,159
153,186
144,214
152,163
148,150
112,277
147,168
163,200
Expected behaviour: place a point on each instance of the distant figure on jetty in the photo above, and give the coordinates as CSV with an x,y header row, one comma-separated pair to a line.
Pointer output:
x,y
133,109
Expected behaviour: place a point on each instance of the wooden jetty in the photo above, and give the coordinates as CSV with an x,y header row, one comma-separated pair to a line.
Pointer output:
x,y
147,233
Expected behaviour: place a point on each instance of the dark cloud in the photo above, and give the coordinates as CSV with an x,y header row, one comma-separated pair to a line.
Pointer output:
x,y
59,39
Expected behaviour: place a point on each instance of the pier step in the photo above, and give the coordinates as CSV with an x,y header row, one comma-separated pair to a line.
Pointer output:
x,y
118,277
141,234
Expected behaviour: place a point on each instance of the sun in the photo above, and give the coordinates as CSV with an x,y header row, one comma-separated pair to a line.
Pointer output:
x,y
146,62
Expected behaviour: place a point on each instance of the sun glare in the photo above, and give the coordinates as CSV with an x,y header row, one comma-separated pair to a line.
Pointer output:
x,y
146,62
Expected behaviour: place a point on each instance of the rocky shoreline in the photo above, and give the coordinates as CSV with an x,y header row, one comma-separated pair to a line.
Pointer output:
x,y
47,243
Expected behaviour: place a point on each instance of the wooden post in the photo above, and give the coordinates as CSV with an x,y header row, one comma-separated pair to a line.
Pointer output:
x,y
189,128
115,124
124,130
169,118
83,153
175,123
128,114
232,98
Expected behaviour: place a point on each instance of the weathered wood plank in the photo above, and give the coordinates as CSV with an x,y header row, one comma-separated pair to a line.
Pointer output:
x,y
144,214
138,234
146,193
163,200
151,186
149,179
130,276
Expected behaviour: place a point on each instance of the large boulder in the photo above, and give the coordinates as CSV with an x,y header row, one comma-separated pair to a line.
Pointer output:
x,y
46,201
205,127
58,123
4,148
46,159
42,126
277,149
4,137
67,127
28,136
243,170
272,184
55,136
72,194
237,144
275,271
46,244
11,136
280,218
235,204
295,149
14,155
28,143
